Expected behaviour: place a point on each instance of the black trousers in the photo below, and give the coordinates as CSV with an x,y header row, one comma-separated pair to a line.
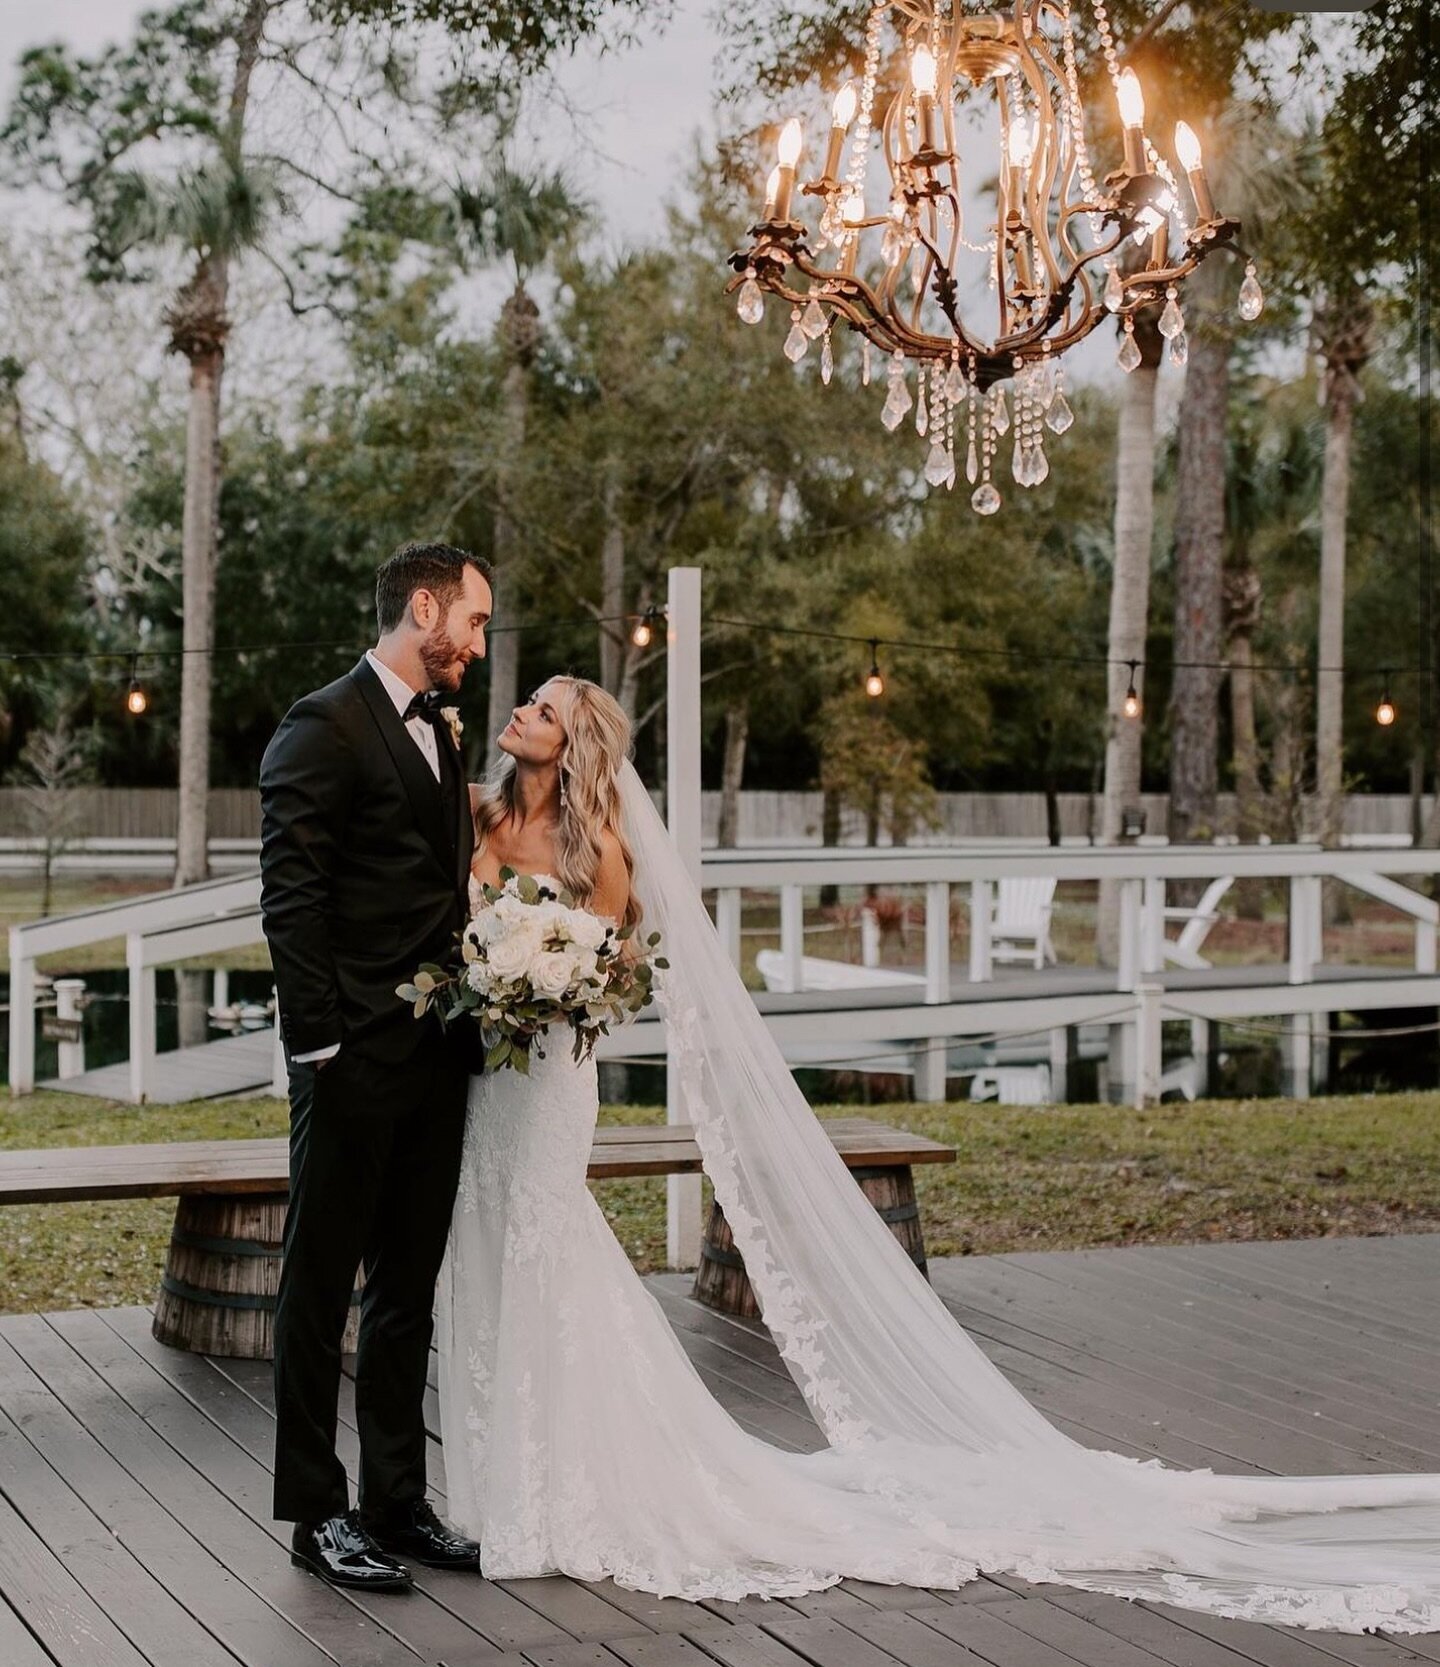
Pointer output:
x,y
374,1164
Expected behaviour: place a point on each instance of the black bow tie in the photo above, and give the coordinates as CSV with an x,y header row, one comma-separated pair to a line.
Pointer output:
x,y
426,706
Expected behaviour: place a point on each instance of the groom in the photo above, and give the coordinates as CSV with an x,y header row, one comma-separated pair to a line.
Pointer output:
x,y
365,858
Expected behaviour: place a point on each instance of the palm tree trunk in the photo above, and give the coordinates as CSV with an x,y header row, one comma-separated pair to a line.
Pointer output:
x,y
1344,331
1199,557
197,541
613,635
198,328
519,327
1129,606
737,731
1242,597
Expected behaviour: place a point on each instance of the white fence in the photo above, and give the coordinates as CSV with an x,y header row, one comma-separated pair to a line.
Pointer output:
x,y
171,927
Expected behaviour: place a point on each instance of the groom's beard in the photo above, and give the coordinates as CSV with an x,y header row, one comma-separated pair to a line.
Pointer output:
x,y
441,660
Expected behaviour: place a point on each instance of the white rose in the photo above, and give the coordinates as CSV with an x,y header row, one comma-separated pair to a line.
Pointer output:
x,y
586,929
587,968
553,973
508,909
486,927
479,977
509,957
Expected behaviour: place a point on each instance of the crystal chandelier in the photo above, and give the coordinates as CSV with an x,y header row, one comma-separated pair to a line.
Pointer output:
x,y
1063,253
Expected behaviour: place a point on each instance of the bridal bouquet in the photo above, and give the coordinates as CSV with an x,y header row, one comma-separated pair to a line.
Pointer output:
x,y
531,961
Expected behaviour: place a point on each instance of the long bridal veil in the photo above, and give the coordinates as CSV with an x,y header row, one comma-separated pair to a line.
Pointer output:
x,y
918,1411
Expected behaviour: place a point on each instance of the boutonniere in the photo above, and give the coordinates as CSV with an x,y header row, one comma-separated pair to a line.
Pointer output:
x,y
451,715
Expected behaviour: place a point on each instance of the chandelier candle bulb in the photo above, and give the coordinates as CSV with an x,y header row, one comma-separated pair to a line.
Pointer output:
x,y
792,139
1131,97
772,193
923,79
842,113
1187,148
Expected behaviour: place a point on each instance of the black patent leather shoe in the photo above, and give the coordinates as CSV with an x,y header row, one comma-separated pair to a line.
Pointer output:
x,y
416,1533
340,1551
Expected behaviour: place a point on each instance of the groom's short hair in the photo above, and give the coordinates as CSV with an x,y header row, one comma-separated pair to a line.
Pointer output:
x,y
438,568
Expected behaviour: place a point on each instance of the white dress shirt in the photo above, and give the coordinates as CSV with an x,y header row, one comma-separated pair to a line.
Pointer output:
x,y
423,735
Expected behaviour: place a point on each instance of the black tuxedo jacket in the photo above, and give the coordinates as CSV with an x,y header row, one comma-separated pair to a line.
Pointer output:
x,y
364,865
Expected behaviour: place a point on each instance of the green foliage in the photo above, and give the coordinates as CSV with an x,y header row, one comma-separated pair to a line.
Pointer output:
x,y
874,767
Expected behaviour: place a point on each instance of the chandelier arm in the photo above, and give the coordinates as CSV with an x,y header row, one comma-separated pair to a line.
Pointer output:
x,y
1046,163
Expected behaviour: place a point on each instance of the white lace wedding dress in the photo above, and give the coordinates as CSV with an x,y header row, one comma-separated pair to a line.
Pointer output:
x,y
578,1438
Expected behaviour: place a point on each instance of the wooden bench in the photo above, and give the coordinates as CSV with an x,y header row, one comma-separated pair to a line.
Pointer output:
x,y
217,1293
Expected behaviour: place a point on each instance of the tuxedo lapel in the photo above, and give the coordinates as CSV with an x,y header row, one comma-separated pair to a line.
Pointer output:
x,y
453,760
409,761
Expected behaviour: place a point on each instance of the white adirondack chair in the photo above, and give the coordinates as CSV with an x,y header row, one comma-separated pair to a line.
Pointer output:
x,y
1020,928
1012,1085
1184,950
817,973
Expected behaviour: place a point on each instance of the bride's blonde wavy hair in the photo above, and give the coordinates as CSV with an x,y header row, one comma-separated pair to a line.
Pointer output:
x,y
597,744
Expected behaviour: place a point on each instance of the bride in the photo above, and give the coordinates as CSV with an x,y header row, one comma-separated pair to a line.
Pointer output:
x,y
579,1439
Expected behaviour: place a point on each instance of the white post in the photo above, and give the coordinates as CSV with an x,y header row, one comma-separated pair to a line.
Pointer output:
x,y
682,802
792,935
1147,1043
1425,946
1152,925
869,937
728,901
982,916
69,1005
1131,949
937,941
220,992
22,1015
1306,926
142,1017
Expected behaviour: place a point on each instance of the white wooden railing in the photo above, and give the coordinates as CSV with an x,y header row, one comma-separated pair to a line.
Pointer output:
x,y
174,926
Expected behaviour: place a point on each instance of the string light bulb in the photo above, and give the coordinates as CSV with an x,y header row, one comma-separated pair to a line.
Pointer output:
x,y
874,679
136,700
1131,706
1385,711
643,632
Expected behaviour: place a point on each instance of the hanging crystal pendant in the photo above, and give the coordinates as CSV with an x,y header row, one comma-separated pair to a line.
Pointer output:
x,y
938,465
1252,297
954,384
1059,417
985,500
1039,464
897,397
797,341
1172,321
892,245
1179,350
827,360
922,410
750,304
972,462
812,320
865,363
1042,383
999,411
1114,291
1129,355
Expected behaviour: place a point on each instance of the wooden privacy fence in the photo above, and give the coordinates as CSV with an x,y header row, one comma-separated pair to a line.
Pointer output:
x,y
766,818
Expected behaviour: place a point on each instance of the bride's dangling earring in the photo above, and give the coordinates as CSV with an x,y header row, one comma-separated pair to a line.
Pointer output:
x,y
562,787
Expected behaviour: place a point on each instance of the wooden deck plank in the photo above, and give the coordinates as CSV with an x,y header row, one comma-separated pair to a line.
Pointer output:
x,y
214,1490
18,1645
1282,1386
231,1065
144,1562
744,1645
72,1628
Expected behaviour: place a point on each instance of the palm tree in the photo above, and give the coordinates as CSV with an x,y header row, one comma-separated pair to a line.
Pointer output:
x,y
1344,334
1129,601
521,217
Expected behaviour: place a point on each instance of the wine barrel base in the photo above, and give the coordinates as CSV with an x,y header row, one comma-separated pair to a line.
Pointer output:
x,y
217,1293
721,1282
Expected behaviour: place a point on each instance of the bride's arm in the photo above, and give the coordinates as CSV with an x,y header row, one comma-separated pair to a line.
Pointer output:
x,y
612,884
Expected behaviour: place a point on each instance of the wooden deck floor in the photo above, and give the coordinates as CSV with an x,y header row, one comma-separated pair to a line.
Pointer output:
x,y
135,1487
231,1065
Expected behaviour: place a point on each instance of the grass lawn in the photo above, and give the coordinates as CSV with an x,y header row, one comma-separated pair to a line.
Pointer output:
x,y
1028,1178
